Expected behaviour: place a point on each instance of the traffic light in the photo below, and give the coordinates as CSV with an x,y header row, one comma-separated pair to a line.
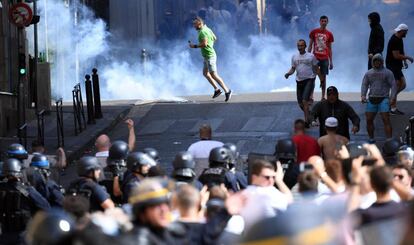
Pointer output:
x,y
22,64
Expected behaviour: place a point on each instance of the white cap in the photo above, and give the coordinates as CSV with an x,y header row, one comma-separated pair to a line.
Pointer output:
x,y
401,27
331,122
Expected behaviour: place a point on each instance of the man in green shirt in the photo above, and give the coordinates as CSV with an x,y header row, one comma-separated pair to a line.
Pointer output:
x,y
206,39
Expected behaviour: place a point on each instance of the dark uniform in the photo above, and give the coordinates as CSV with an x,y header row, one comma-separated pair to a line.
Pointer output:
x,y
240,176
285,152
96,193
86,184
116,167
136,162
183,172
218,172
129,183
38,176
18,203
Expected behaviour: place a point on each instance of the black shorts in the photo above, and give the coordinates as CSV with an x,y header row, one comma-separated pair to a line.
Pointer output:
x,y
304,89
324,66
397,74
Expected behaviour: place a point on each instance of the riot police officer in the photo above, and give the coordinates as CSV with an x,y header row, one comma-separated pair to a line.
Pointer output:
x,y
115,169
285,152
218,172
149,197
240,176
138,165
88,169
18,203
50,228
183,172
153,153
17,151
38,176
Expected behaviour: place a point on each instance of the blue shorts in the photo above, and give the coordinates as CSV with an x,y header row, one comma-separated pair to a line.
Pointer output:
x,y
384,106
324,66
210,64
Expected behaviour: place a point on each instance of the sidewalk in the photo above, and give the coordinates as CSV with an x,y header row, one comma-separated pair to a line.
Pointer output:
x,y
74,145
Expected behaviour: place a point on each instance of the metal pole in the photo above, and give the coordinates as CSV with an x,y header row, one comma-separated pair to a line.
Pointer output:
x,y
89,99
46,33
35,55
96,93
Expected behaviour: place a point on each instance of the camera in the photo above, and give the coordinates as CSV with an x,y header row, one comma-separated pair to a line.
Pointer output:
x,y
305,166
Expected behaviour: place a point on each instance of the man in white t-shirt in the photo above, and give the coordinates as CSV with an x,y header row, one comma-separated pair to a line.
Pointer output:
x,y
201,149
263,199
306,67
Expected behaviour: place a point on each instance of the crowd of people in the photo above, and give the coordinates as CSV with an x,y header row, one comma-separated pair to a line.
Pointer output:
x,y
379,87
344,193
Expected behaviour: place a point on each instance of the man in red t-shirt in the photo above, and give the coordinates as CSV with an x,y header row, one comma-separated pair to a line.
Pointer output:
x,y
320,41
306,146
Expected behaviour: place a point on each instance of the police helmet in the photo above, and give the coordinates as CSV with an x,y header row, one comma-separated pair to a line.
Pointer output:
x,y
152,153
86,165
219,155
117,153
12,167
391,147
50,227
285,149
17,151
150,192
40,161
183,165
356,149
137,159
233,150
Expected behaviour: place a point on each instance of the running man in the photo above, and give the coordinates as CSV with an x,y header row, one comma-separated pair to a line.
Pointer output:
x,y
321,42
206,39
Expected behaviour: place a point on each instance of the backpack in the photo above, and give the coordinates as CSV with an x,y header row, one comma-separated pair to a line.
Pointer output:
x,y
213,176
14,215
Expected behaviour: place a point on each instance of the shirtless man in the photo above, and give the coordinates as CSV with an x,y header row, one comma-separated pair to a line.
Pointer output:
x,y
330,142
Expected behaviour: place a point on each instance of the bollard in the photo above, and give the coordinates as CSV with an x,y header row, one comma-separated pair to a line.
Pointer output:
x,y
96,93
89,99
411,143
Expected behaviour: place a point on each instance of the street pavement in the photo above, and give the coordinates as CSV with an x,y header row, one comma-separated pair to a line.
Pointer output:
x,y
254,122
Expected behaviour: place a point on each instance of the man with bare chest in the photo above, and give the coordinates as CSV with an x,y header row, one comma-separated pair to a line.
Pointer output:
x,y
330,142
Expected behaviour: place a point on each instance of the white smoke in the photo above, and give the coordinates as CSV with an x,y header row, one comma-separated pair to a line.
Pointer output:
x,y
70,42
176,70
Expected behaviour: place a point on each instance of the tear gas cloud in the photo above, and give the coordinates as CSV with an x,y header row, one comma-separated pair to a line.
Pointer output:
x,y
257,65
73,42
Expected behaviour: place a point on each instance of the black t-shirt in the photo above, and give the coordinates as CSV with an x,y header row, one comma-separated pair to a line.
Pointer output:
x,y
98,193
379,211
394,44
